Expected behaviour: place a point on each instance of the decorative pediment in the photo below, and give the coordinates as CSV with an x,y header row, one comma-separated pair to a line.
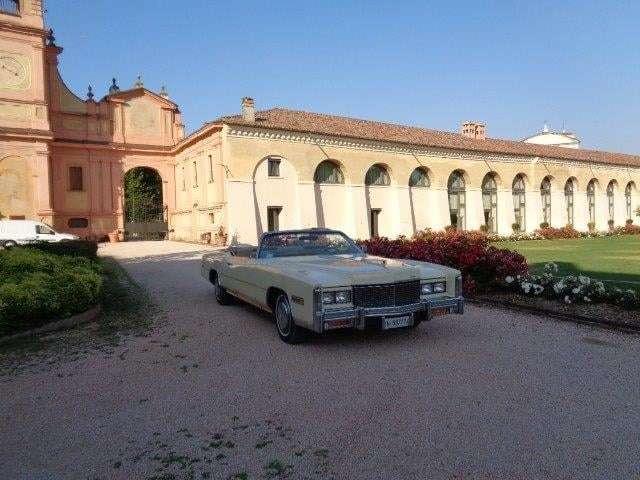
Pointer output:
x,y
138,93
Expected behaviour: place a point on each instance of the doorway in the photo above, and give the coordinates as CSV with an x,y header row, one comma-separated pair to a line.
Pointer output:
x,y
145,216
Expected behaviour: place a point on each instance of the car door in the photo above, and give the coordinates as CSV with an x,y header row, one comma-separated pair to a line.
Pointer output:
x,y
243,276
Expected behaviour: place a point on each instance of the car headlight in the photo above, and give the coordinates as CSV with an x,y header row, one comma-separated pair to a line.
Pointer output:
x,y
426,288
339,296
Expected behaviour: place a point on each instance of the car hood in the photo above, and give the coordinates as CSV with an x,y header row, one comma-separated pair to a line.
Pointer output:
x,y
339,270
67,236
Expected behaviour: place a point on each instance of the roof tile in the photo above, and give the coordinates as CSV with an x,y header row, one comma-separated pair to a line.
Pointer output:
x,y
323,124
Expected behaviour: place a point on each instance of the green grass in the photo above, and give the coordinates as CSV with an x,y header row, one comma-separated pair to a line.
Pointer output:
x,y
614,259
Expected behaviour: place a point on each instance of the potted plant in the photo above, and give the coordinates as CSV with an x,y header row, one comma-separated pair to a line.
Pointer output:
x,y
544,225
629,221
610,223
114,237
484,228
515,227
591,226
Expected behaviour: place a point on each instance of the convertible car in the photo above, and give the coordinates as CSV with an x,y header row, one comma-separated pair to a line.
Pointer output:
x,y
320,280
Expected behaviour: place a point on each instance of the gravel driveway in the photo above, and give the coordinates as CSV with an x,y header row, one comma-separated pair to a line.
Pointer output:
x,y
211,392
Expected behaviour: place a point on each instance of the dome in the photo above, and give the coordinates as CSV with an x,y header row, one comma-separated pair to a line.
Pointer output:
x,y
555,139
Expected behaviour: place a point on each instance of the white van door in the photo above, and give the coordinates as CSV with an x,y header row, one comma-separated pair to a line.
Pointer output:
x,y
44,233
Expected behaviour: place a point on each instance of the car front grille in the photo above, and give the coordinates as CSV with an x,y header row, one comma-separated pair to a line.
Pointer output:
x,y
387,295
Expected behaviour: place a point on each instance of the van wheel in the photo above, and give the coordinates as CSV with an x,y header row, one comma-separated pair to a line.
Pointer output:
x,y
10,244
288,331
222,297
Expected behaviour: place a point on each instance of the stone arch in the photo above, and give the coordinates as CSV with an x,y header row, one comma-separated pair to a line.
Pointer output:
x,y
489,189
144,209
546,190
378,172
519,187
420,177
329,171
630,192
16,187
611,191
570,189
456,190
330,194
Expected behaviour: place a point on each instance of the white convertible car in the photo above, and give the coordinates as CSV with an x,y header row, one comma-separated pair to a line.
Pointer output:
x,y
320,280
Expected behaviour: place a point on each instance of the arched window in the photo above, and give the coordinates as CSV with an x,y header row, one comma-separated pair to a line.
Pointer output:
x,y
10,6
627,200
419,178
611,200
518,191
568,197
591,201
456,191
545,193
490,202
377,175
328,172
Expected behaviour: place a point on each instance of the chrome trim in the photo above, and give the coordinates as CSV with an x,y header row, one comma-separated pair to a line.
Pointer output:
x,y
318,324
455,304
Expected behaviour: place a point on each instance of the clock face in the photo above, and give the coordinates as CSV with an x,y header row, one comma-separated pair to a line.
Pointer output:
x,y
13,73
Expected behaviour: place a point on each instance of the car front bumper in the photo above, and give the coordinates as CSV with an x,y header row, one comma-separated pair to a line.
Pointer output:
x,y
363,318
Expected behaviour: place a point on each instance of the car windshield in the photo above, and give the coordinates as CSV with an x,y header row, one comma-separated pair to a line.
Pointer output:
x,y
292,244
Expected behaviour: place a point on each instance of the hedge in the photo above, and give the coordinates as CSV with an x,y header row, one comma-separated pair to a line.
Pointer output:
x,y
483,266
37,287
72,248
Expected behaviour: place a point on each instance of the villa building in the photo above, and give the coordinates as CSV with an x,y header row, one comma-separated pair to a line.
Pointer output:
x,y
65,159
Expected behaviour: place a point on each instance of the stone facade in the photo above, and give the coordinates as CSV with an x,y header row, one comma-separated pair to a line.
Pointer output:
x,y
63,159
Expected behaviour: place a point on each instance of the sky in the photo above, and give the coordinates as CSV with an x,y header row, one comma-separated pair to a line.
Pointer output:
x,y
512,64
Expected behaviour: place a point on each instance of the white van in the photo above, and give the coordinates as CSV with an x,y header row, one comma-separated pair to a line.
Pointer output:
x,y
19,232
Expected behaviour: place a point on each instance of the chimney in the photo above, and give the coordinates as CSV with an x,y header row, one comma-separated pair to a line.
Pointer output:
x,y
248,110
473,130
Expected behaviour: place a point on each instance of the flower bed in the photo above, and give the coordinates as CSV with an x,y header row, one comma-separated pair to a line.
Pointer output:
x,y
483,266
37,287
570,288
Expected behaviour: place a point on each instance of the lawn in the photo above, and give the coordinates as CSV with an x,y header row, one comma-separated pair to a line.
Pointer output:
x,y
615,259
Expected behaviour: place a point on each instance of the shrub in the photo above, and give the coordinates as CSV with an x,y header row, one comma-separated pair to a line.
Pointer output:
x,y
629,221
72,248
482,265
571,288
544,225
564,232
37,287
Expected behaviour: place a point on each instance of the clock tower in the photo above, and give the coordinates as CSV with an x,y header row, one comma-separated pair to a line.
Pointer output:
x,y
25,131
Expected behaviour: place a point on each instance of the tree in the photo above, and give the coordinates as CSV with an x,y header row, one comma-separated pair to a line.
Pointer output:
x,y
143,195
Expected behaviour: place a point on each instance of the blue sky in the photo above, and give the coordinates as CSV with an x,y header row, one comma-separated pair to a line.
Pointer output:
x,y
432,64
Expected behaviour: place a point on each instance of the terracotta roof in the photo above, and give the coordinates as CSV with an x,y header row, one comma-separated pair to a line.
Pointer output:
x,y
318,123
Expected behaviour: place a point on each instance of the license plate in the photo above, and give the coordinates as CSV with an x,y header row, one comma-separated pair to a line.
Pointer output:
x,y
397,322
437,312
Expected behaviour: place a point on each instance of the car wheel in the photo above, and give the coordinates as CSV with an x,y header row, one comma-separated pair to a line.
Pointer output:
x,y
222,297
418,318
288,331
10,244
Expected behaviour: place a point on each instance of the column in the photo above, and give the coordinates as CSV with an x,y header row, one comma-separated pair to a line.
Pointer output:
x,y
474,215
506,216
43,182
